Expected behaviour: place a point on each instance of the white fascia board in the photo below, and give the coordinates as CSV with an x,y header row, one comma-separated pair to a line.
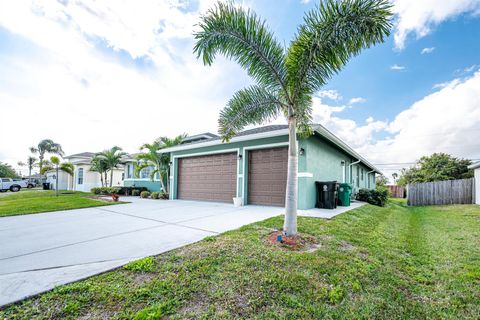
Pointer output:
x,y
474,165
254,136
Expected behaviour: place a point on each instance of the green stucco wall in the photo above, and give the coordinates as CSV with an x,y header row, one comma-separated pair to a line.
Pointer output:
x,y
321,161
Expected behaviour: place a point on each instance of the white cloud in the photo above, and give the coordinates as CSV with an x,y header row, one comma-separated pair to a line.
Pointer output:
x,y
427,50
73,91
419,17
330,94
447,120
357,100
397,67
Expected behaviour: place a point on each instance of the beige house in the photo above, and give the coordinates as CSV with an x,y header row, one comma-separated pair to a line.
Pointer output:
x,y
83,179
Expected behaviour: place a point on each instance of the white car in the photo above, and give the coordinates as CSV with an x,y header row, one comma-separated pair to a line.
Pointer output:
x,y
8,184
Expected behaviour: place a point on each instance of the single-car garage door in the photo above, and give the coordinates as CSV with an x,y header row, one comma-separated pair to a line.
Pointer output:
x,y
267,176
208,178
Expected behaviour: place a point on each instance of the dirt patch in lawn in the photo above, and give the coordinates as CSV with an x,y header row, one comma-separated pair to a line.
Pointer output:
x,y
299,242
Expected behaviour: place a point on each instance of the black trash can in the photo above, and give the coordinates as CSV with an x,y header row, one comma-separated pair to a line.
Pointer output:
x,y
327,194
46,186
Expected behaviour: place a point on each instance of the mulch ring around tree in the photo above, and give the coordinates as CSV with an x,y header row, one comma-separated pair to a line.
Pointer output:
x,y
299,242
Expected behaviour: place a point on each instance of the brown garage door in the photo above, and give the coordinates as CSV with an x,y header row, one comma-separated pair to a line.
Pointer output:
x,y
208,178
267,176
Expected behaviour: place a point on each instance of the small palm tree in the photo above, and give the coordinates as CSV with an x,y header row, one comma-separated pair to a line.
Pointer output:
x,y
98,164
152,157
112,158
57,165
31,162
286,78
46,146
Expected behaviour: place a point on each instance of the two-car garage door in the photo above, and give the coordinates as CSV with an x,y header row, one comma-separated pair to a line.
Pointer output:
x,y
213,177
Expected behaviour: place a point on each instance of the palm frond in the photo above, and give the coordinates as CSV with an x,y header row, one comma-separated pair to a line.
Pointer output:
x,y
330,35
242,36
67,167
252,105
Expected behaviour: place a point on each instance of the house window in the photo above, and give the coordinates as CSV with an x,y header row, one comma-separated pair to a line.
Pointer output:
x,y
362,174
129,171
80,176
123,175
145,173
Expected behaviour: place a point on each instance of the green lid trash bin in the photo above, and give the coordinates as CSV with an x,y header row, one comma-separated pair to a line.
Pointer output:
x,y
344,193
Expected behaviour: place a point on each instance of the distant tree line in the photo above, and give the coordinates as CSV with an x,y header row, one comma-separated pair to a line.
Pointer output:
x,y
436,167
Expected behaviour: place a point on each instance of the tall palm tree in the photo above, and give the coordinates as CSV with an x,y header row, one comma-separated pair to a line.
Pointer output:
x,y
57,165
46,146
113,158
152,157
286,78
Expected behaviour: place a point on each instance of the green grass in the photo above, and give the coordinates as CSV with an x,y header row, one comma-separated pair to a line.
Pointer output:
x,y
26,202
373,263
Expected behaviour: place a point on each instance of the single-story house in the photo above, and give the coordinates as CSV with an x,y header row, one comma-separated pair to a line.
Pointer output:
x,y
83,179
253,167
476,167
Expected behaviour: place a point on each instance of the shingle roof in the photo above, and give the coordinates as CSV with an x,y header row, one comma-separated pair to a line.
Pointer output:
x,y
81,155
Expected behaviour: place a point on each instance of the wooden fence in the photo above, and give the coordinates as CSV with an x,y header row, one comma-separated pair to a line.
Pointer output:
x,y
397,191
441,192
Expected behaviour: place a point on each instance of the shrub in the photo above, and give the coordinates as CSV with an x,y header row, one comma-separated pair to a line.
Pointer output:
x,y
376,197
126,191
155,195
164,195
144,194
105,190
136,192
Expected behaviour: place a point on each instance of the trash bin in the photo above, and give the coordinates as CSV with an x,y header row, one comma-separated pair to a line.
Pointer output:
x,y
344,194
46,186
327,193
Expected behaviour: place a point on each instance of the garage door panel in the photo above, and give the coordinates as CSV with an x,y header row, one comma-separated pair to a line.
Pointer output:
x,y
267,176
208,178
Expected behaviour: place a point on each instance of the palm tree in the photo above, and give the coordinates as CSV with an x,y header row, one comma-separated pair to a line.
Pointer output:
x,y
98,164
55,164
46,146
395,176
286,78
152,157
31,162
113,158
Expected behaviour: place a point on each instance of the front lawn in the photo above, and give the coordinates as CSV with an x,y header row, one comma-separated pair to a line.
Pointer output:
x,y
373,263
27,201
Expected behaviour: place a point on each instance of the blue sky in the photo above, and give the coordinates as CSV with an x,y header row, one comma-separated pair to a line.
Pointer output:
x,y
125,72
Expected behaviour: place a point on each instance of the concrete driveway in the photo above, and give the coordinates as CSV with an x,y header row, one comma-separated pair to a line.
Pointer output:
x,y
41,251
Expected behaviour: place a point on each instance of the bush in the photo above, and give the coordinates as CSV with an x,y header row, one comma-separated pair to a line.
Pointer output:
x,y
376,197
155,195
144,194
143,265
164,195
136,192
106,191
127,191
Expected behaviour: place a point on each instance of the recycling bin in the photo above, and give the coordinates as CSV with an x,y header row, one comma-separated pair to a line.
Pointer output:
x,y
344,194
327,193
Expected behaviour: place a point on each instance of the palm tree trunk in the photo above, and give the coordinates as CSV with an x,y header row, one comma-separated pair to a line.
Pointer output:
x,y
56,184
40,164
290,225
111,177
162,185
106,177
101,179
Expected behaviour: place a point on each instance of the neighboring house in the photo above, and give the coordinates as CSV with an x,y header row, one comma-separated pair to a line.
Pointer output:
x,y
142,179
83,179
253,166
476,168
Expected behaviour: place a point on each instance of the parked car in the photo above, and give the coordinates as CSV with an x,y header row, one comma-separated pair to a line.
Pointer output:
x,y
25,183
8,184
